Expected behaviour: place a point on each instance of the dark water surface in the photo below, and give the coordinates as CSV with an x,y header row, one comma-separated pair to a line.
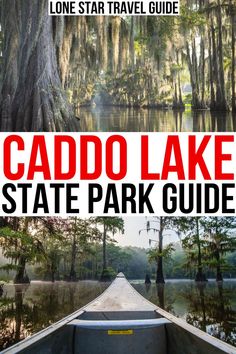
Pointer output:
x,y
108,119
26,309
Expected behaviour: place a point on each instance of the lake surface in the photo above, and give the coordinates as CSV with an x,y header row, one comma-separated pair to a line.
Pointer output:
x,y
26,309
109,119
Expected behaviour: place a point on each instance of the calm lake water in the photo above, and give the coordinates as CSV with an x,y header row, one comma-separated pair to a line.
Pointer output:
x,y
26,309
108,119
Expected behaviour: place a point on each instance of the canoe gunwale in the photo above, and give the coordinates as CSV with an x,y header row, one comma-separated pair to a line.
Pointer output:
x,y
50,329
93,306
215,342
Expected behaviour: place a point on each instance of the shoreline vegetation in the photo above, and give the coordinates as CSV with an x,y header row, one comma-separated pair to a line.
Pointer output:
x,y
74,249
136,61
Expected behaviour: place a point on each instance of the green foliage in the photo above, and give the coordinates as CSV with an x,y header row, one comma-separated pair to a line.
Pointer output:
x,y
49,243
220,240
191,19
165,253
18,243
108,274
111,224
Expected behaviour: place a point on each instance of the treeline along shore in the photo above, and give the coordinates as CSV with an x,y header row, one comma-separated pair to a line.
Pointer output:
x,y
72,249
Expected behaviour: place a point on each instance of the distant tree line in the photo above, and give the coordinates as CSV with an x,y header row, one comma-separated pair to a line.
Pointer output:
x,y
72,249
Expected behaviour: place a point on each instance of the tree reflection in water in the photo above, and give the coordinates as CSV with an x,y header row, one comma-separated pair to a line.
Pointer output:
x,y
26,309
109,119
212,311
207,306
15,317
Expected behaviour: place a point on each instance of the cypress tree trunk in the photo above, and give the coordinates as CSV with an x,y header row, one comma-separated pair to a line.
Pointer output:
x,y
72,275
221,99
159,275
105,276
34,99
175,99
104,246
115,22
53,269
131,42
147,279
102,49
193,69
200,276
233,49
21,276
181,104
178,101
219,276
9,67
215,104
73,259
211,71
202,72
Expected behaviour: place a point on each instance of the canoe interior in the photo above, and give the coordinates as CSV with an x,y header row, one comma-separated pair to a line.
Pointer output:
x,y
167,339
120,302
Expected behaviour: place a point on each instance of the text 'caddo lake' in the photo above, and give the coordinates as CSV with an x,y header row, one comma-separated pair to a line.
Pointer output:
x,y
118,174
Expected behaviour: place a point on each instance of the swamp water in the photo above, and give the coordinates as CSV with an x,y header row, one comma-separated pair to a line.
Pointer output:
x,y
109,119
26,309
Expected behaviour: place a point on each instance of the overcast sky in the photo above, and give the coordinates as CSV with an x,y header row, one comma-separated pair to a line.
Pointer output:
x,y
131,236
